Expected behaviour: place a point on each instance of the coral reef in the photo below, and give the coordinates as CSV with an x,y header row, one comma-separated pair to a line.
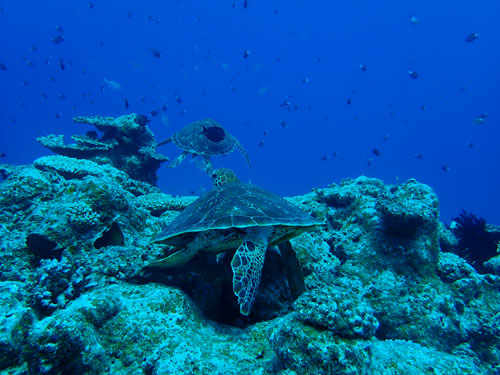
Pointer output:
x,y
126,143
477,241
384,294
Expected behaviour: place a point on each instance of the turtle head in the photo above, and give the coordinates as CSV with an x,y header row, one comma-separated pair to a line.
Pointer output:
x,y
223,176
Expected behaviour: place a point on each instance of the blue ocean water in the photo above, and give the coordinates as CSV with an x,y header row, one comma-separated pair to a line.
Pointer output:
x,y
316,91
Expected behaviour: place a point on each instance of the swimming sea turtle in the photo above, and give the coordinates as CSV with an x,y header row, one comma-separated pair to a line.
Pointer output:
x,y
237,216
204,138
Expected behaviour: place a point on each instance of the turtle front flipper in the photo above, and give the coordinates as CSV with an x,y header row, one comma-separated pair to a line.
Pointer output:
x,y
178,258
179,159
247,266
243,152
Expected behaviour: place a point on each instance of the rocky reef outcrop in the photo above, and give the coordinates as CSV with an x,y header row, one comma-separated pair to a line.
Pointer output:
x,y
382,297
125,142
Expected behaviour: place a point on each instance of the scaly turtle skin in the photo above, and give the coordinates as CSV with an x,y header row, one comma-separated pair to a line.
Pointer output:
x,y
204,138
237,216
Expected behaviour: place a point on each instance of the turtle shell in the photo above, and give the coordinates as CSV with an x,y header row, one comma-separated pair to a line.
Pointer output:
x,y
205,137
236,205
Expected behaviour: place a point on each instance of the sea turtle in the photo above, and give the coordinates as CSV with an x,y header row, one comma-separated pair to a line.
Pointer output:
x,y
239,216
204,138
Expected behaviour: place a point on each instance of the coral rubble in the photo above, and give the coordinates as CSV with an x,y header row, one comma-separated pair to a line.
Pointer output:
x,y
381,296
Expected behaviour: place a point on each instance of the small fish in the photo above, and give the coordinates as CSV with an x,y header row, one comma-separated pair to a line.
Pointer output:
x,y
129,14
286,104
25,83
58,115
52,79
262,143
178,99
413,74
325,157
284,124
266,132
59,29
113,85
62,96
44,95
30,63
362,67
34,48
154,113
471,37
141,120
3,154
305,80
61,63
58,39
369,162
164,107
90,5
245,4
445,168
164,119
3,67
375,152
414,20
481,118
348,101
126,103
464,88
423,107
419,156
246,54
156,53
470,145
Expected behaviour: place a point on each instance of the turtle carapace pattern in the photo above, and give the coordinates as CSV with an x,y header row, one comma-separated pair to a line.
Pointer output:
x,y
204,138
237,216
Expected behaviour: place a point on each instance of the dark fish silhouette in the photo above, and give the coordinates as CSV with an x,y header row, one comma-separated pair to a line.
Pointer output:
x,y
3,154
126,103
413,74
156,53
61,64
471,37
3,66
375,152
58,39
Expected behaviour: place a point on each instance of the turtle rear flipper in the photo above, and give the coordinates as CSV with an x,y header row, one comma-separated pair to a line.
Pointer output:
x,y
243,152
168,140
247,265
179,159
